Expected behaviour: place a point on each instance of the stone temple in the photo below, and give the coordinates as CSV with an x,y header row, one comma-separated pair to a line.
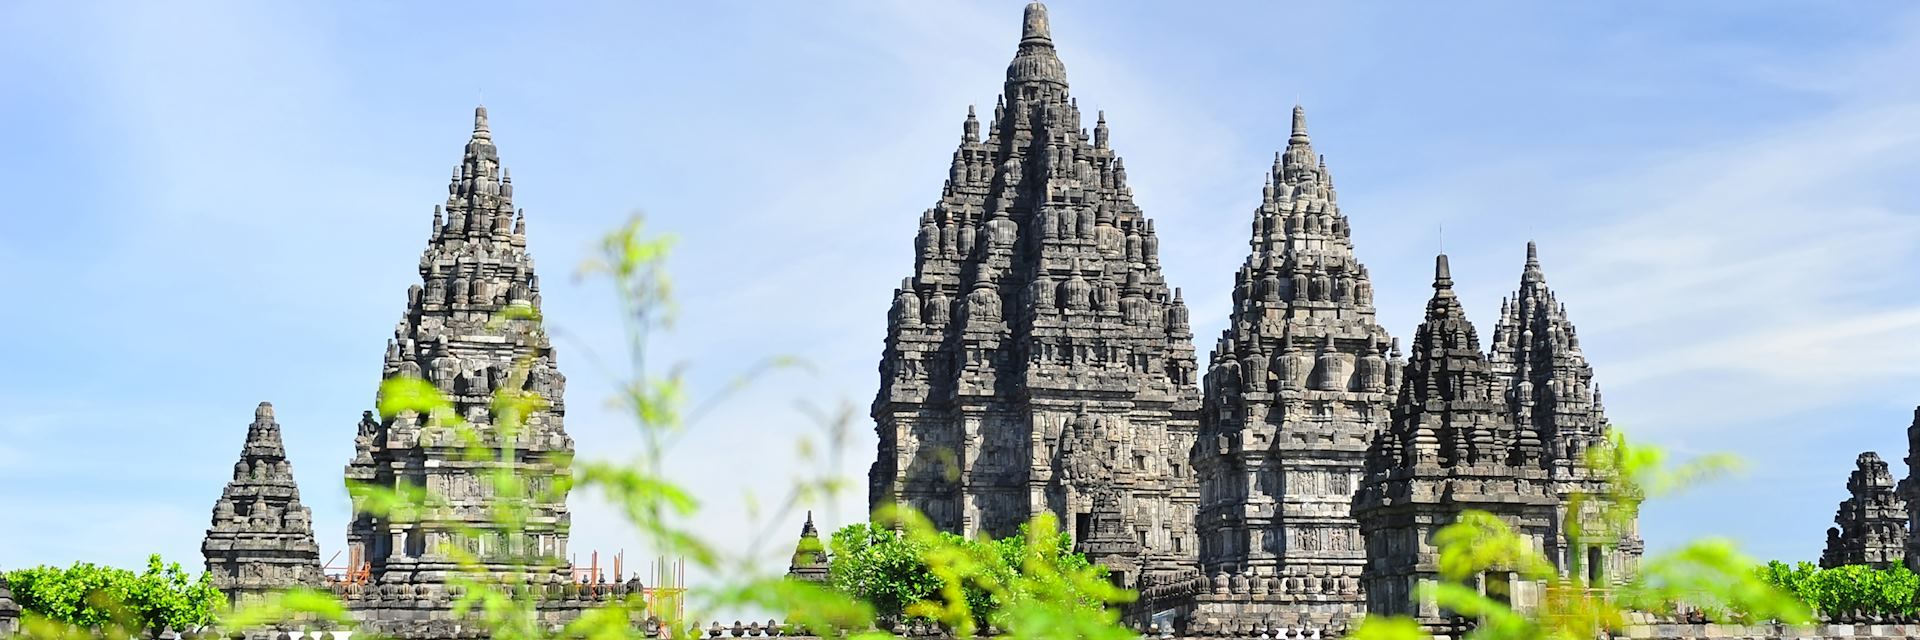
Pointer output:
x,y
454,334
471,328
1036,361
261,538
1872,520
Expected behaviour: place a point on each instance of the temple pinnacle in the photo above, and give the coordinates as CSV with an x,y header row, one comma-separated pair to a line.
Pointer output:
x,y
480,129
1035,60
1442,276
1035,26
1299,124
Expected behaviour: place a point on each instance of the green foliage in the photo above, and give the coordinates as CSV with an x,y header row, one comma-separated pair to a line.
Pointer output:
x,y
88,595
1850,588
1709,575
882,567
899,571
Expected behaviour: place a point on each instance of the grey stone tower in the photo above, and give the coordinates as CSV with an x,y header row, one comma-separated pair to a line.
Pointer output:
x,y
261,538
452,334
1451,447
1036,356
1296,390
1548,388
1873,520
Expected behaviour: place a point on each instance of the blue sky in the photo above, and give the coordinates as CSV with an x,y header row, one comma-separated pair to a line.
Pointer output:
x,y
214,204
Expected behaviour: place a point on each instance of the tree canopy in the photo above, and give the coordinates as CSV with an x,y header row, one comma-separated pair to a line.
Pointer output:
x,y
90,595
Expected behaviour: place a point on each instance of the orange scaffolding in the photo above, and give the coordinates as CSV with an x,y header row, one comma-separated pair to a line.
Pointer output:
x,y
665,592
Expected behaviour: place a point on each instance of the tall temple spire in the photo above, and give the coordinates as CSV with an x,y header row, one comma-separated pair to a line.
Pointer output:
x,y
1451,447
1035,301
261,538
1300,383
454,335
1546,381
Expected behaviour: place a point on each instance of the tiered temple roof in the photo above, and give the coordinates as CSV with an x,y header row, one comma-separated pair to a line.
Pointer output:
x,y
1452,447
1037,336
459,334
1548,389
1297,387
1872,520
261,537
1536,356
1449,413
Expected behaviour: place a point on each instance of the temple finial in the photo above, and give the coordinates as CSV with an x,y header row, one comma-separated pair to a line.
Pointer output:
x,y
1036,61
480,129
1442,275
1035,26
1531,273
1299,124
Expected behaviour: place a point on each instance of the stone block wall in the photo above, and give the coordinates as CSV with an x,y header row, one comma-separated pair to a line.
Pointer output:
x,y
776,629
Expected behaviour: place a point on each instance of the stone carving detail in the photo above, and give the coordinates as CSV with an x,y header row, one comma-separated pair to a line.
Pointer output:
x,y
1049,358
261,538
454,333
1296,388
1503,434
9,610
1872,520
1108,539
1549,393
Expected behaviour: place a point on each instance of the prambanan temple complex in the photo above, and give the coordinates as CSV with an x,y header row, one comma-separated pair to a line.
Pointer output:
x,y
1037,361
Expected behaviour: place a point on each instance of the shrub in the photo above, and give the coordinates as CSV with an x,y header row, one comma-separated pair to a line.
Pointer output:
x,y
90,595
1847,588
898,571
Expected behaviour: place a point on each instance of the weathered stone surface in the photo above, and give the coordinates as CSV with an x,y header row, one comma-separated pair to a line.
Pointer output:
x,y
1872,520
9,610
1452,446
261,537
1296,389
1548,388
1036,362
473,330
1036,358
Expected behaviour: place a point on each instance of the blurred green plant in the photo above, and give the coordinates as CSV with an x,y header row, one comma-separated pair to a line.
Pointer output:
x,y
1848,588
59,602
1709,576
